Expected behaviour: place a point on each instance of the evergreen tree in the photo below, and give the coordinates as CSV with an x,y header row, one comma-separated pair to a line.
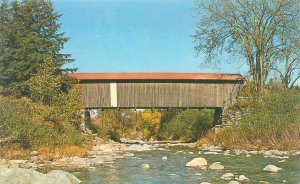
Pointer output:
x,y
29,35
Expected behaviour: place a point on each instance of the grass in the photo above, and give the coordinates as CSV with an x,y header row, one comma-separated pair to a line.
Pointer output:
x,y
273,123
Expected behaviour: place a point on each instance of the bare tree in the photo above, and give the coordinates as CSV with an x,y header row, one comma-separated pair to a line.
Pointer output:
x,y
247,28
288,59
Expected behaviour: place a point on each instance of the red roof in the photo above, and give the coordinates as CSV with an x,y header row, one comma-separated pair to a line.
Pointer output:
x,y
155,76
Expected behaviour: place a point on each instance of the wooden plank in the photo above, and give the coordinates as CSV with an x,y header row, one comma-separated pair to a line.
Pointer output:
x,y
160,94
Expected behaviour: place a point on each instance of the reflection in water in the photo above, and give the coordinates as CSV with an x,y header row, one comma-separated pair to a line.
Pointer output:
x,y
173,169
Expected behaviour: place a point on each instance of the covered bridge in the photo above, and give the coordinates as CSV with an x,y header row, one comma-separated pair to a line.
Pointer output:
x,y
159,90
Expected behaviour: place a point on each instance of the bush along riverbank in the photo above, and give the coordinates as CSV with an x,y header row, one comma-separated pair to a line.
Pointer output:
x,y
272,123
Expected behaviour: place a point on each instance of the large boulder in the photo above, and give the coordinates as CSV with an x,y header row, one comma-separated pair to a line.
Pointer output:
x,y
272,168
28,176
197,162
58,176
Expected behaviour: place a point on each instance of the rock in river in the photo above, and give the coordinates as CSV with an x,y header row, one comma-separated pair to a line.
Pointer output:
x,y
243,178
227,176
137,147
197,162
216,166
28,176
127,154
144,166
234,182
272,168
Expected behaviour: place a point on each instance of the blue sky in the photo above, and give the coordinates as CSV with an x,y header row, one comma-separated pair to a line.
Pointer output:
x,y
133,36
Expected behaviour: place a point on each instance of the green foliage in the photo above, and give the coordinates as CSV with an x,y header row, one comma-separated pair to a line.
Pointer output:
x,y
273,122
167,116
28,37
35,125
112,123
69,104
188,125
45,84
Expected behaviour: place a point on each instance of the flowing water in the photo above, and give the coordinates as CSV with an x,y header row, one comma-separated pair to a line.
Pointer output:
x,y
173,169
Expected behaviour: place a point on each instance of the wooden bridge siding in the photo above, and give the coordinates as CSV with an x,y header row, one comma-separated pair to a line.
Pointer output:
x,y
96,94
175,94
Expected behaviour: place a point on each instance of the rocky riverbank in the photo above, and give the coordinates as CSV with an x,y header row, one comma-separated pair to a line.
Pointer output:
x,y
101,154
106,153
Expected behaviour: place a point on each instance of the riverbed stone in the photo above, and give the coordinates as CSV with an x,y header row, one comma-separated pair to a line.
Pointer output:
x,y
233,182
237,152
128,154
216,166
3,161
34,159
97,161
31,165
264,182
61,162
227,176
272,168
294,152
18,162
164,158
253,152
62,177
119,156
5,166
104,148
144,166
242,178
79,162
267,153
137,147
34,153
211,153
205,183
28,176
197,162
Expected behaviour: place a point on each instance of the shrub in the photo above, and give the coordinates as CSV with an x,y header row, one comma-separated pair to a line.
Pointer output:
x,y
113,124
34,125
151,123
188,125
271,123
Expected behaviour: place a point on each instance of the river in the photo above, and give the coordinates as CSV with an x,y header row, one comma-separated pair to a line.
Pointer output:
x,y
173,169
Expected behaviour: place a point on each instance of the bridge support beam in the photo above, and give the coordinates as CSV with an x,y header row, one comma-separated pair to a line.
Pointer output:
x,y
86,124
217,116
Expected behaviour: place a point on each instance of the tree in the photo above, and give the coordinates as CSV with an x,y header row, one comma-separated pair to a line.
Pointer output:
x,y
45,84
288,60
29,34
248,28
